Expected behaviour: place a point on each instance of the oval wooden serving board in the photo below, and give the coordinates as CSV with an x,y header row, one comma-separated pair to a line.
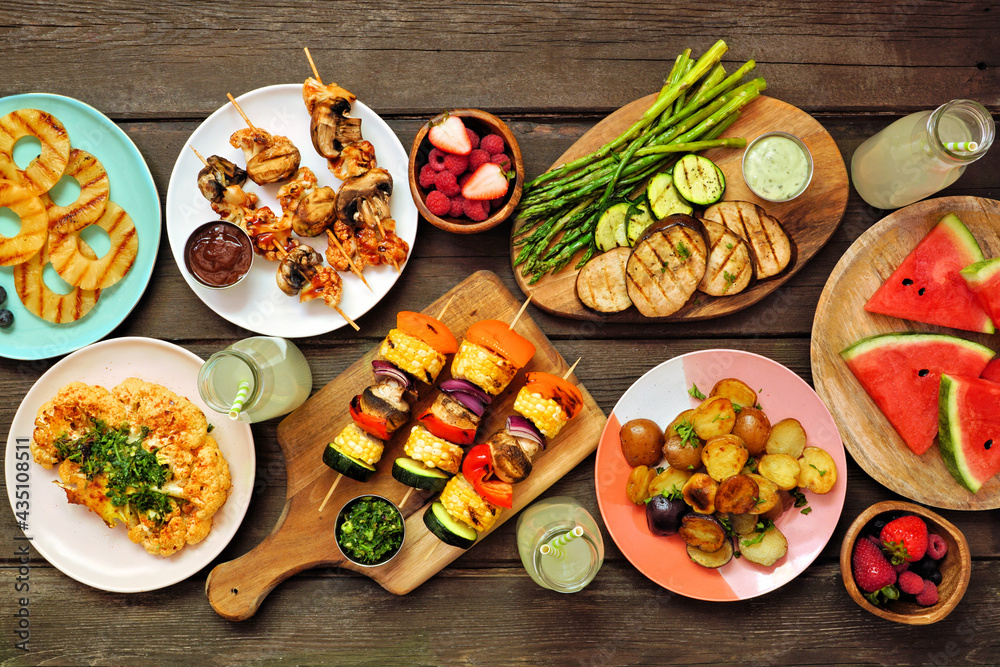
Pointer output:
x,y
810,219
304,537
841,320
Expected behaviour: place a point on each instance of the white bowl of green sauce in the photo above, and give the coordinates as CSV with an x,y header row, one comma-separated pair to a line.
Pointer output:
x,y
777,166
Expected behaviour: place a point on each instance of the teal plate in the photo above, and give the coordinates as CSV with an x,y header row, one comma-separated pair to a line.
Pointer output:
x,y
132,188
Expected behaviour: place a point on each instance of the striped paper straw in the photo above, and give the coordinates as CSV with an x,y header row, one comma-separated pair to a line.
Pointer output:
x,y
958,146
241,396
554,546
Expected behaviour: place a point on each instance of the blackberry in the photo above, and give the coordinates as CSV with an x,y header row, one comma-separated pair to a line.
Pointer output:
x,y
6,318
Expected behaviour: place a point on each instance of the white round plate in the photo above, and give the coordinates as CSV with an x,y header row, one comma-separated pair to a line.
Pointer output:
x,y
256,303
662,394
74,539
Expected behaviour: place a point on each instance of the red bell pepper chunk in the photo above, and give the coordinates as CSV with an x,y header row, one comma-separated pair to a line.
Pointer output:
x,y
477,468
446,431
370,424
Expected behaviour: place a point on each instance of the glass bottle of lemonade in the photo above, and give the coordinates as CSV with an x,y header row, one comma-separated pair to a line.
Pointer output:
x,y
921,154
278,375
580,558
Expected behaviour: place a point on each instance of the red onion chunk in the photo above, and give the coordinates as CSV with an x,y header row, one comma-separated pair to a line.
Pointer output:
x,y
386,369
466,387
520,427
469,401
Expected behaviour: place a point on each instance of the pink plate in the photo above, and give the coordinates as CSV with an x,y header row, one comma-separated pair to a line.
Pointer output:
x,y
662,394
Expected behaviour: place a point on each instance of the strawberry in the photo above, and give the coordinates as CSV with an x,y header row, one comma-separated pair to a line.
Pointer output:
x,y
872,571
905,539
489,181
450,136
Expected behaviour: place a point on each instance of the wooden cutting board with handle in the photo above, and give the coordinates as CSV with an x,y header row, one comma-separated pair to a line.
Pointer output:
x,y
810,219
304,537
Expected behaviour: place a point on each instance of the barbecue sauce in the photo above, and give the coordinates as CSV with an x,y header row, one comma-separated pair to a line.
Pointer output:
x,y
218,254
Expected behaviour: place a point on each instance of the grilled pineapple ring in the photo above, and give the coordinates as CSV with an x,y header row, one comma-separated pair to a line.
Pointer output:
x,y
88,272
93,198
42,301
34,224
45,171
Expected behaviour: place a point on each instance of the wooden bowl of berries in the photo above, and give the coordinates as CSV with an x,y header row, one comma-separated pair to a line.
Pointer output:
x,y
905,563
466,172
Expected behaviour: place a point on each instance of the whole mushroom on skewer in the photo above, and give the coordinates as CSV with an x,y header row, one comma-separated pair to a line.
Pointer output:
x,y
331,127
308,209
301,272
363,202
270,158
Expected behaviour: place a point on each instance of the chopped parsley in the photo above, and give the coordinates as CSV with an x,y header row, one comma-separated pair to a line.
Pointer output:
x,y
761,528
800,501
729,246
696,393
371,530
822,473
682,251
686,431
730,280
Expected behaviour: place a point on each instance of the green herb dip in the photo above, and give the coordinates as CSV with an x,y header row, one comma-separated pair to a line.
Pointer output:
x,y
371,531
776,168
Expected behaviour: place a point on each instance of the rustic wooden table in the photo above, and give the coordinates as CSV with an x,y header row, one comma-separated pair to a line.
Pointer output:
x,y
551,69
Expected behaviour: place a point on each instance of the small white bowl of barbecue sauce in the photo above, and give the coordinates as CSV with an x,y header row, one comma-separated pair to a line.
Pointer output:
x,y
777,166
218,254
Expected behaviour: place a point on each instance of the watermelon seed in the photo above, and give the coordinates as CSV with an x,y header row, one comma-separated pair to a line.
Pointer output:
x,y
907,282
921,291
989,443
923,372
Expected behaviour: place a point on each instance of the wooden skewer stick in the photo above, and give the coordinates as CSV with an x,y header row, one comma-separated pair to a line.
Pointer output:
x,y
406,497
520,312
203,160
283,253
235,104
571,368
354,267
445,309
312,64
330,492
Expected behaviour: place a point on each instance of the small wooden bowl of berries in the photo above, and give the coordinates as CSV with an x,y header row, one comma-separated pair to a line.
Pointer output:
x,y
905,563
466,172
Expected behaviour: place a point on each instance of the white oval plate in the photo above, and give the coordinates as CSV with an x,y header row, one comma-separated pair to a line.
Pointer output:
x,y
74,539
256,303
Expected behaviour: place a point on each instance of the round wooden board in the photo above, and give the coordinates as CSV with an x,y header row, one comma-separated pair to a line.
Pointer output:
x,y
841,320
810,220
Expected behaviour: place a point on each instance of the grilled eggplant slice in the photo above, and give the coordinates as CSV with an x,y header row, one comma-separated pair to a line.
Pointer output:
x,y
600,285
666,265
771,245
730,267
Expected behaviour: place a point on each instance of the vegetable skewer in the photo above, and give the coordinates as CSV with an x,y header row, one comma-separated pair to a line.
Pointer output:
x,y
320,279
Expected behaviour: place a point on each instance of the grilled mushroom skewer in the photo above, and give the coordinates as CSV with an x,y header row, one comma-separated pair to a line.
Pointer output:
x,y
363,202
270,158
300,272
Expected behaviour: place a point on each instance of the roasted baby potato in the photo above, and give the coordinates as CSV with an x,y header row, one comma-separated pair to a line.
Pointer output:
x,y
714,417
702,531
737,391
724,456
817,471
642,442
767,494
754,427
699,492
787,437
737,494
683,454
668,481
711,559
781,469
637,486
765,548
743,523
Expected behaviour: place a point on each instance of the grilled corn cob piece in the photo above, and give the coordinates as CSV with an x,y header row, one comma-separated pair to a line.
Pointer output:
x,y
359,445
412,355
433,451
547,415
464,504
482,367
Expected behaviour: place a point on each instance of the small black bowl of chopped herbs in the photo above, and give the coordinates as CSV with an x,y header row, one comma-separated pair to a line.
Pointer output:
x,y
370,530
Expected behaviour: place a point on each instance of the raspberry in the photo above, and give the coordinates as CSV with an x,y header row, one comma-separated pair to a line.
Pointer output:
x,y
427,174
438,203
902,567
457,206
910,582
447,184
928,596
497,203
478,158
436,159
502,160
456,164
936,546
473,138
463,179
476,210
492,144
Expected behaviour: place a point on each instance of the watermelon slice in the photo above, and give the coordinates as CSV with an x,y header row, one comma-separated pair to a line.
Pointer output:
x,y
902,371
992,371
970,429
927,286
983,278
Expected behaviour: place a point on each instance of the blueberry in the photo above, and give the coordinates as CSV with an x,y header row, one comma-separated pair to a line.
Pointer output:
x,y
6,318
935,577
3,295
924,566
